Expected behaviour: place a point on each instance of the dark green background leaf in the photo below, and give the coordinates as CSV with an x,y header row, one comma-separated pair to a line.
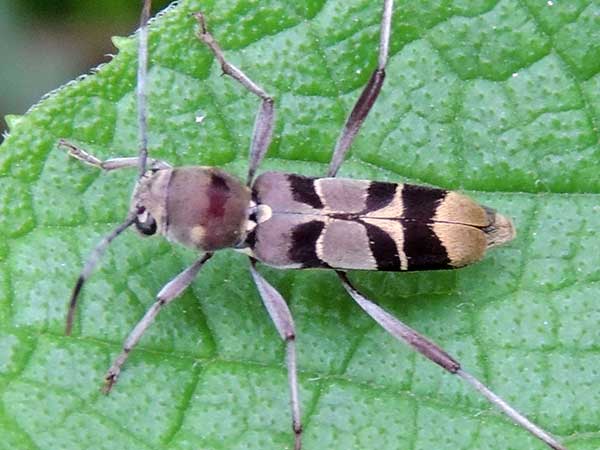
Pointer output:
x,y
495,98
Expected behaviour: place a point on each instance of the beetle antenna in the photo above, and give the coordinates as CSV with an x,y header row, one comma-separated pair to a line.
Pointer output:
x,y
142,73
90,265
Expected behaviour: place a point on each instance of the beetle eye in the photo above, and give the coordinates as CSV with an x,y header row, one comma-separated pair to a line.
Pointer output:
x,y
145,223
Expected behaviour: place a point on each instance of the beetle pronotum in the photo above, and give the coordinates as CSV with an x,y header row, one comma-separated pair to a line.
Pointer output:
x,y
290,221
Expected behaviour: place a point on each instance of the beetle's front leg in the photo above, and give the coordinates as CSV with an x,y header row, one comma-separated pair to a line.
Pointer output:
x,y
166,295
108,164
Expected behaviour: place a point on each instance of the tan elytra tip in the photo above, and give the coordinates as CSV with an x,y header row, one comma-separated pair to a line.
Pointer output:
x,y
500,230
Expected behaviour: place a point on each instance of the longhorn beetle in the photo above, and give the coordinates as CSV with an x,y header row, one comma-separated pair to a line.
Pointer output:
x,y
288,220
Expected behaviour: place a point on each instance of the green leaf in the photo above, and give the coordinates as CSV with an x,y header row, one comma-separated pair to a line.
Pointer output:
x,y
495,98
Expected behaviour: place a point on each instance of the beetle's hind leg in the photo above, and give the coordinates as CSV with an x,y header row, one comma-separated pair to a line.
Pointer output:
x,y
108,164
167,294
265,117
367,97
430,350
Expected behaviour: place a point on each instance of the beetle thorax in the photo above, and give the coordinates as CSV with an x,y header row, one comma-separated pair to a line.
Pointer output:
x,y
200,207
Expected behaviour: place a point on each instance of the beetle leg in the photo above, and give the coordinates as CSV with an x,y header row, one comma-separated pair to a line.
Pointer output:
x,y
430,350
367,97
108,164
265,117
282,318
166,295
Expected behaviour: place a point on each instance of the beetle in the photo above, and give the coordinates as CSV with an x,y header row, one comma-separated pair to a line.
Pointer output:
x,y
291,221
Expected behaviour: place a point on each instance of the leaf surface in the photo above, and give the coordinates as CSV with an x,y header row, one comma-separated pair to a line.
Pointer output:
x,y
496,98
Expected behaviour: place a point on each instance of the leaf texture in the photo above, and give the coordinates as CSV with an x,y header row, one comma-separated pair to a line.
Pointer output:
x,y
496,98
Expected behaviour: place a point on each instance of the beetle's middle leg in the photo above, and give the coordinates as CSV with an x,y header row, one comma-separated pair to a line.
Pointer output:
x,y
282,318
265,117
166,295
108,164
367,97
